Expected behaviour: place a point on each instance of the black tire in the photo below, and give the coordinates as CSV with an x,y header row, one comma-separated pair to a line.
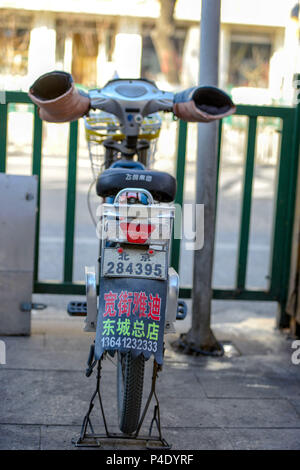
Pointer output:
x,y
130,380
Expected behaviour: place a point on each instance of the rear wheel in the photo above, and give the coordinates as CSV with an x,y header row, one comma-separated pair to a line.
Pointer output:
x,y
130,379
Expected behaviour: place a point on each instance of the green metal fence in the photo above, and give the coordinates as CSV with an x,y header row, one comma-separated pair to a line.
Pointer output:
x,y
284,207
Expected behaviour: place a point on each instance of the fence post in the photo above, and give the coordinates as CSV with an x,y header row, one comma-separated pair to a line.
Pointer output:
x,y
36,170
181,154
283,318
71,202
3,135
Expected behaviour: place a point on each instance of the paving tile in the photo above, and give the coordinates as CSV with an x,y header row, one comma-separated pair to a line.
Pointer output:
x,y
68,353
49,397
229,413
13,437
265,439
296,404
197,439
58,437
65,342
28,343
45,359
229,385
175,382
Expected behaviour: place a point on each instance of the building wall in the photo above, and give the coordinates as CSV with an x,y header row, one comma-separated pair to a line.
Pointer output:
x,y
99,39
254,12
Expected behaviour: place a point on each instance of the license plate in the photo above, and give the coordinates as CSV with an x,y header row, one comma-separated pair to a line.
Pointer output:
x,y
134,263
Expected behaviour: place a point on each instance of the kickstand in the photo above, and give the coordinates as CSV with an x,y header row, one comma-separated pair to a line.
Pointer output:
x,y
93,440
84,439
155,420
156,413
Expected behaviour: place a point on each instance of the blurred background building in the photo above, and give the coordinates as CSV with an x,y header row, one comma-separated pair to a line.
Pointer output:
x,y
99,39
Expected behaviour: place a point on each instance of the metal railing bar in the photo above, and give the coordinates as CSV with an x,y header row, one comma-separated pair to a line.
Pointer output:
x,y
233,294
246,205
292,193
264,111
18,97
180,171
64,288
71,201
3,136
78,288
36,170
281,207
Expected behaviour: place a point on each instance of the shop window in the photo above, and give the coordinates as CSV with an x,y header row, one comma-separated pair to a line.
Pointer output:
x,y
60,49
14,44
150,62
249,61
85,51
151,67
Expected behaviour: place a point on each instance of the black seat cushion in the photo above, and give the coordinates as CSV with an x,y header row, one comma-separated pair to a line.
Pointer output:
x,y
161,185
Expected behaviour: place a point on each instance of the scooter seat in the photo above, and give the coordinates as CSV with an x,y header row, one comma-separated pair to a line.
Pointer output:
x,y
161,185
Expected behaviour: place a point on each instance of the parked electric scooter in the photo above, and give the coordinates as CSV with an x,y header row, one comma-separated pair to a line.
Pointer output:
x,y
138,290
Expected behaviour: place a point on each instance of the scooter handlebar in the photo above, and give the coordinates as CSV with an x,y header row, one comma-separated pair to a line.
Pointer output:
x,y
59,101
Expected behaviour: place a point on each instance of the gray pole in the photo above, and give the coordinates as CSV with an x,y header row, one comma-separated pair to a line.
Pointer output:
x,y
200,335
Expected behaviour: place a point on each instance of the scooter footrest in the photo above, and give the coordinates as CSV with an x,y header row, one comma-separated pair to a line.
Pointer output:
x,y
77,309
181,310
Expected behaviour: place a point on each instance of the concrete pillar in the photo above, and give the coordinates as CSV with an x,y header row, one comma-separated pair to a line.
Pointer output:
x,y
68,54
224,56
291,54
276,70
190,59
41,54
128,49
105,68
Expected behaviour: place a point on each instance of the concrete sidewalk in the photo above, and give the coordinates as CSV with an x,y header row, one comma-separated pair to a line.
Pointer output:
x,y
249,399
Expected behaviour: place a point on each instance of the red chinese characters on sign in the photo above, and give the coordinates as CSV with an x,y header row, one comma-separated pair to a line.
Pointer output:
x,y
154,307
132,303
140,304
124,305
110,299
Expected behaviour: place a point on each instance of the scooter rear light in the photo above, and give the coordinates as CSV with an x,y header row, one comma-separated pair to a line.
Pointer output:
x,y
137,233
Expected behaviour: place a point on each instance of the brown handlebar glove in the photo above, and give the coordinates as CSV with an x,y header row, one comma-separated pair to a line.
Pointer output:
x,y
57,98
203,104
191,113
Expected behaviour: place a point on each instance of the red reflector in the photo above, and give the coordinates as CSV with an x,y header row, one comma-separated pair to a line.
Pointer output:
x,y
120,250
150,252
137,233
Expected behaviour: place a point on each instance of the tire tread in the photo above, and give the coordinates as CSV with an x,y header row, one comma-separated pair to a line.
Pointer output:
x,y
132,394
